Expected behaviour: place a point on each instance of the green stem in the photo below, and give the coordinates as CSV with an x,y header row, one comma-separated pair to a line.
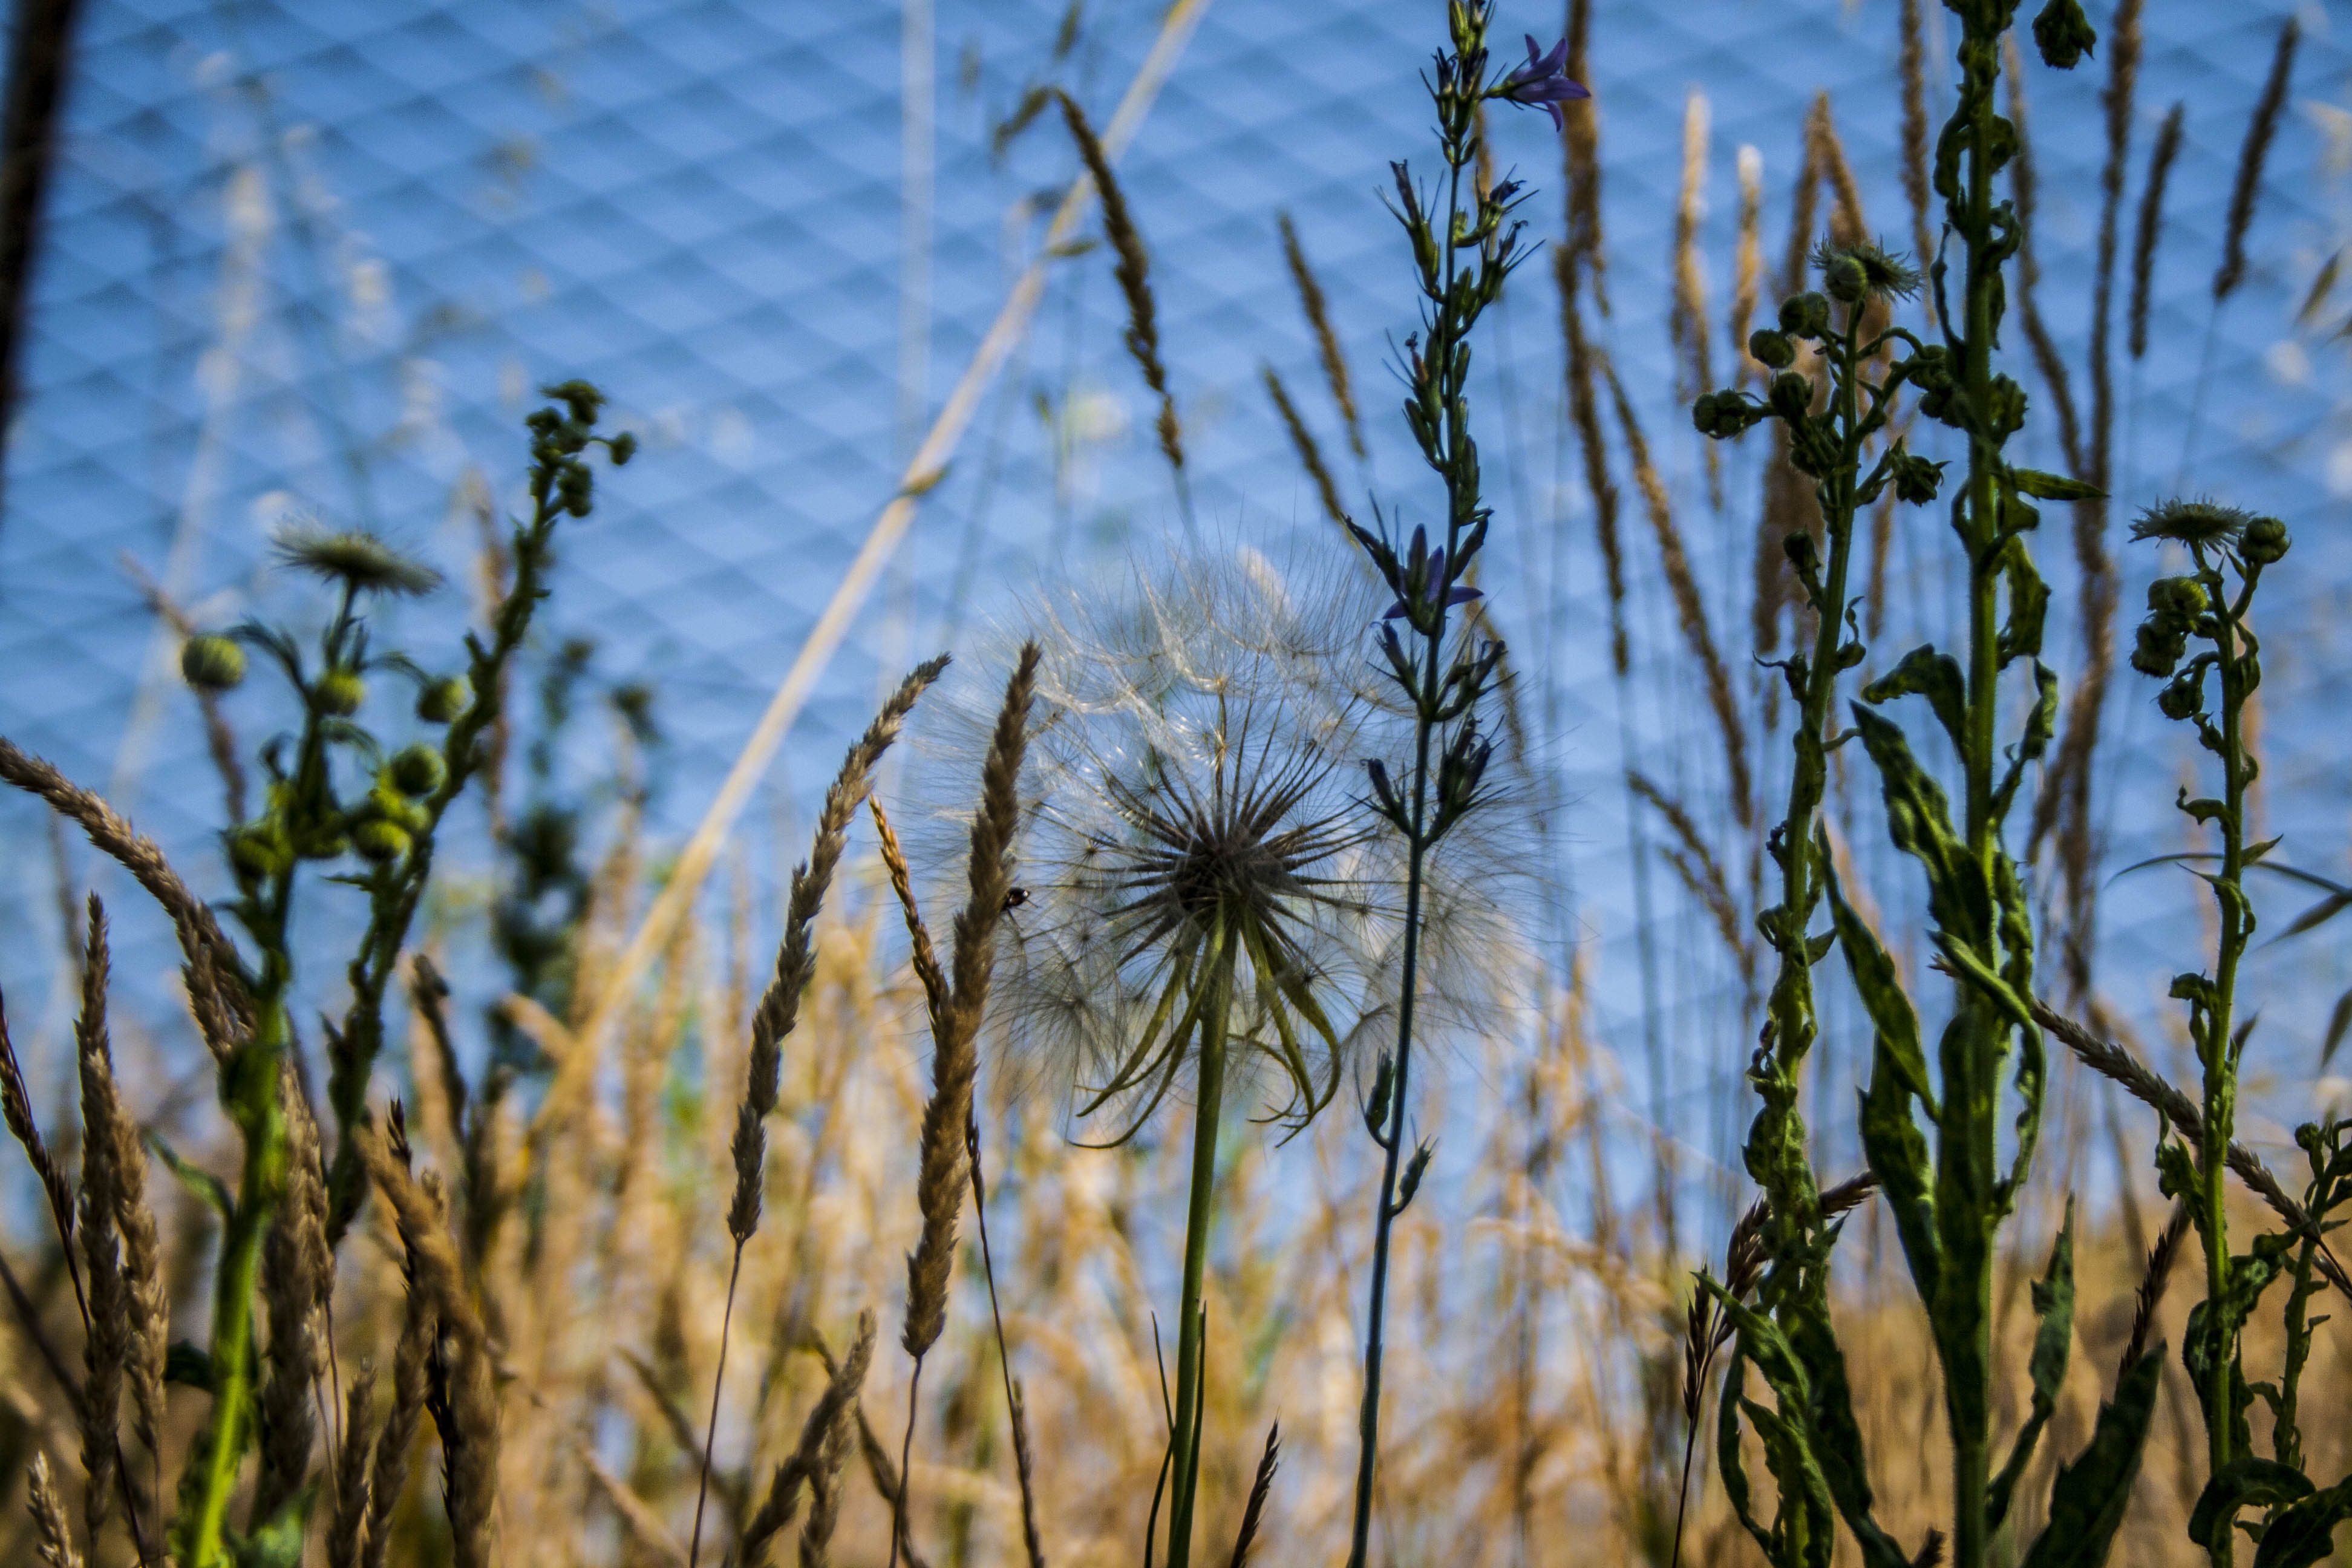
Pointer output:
x,y
1199,1219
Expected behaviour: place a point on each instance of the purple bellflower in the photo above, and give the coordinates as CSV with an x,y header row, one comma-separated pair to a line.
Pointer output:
x,y
1460,593
1542,82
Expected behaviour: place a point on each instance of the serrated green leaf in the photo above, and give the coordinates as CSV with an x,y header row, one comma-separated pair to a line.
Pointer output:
x,y
1806,1530
2053,487
2041,724
2053,1339
1924,672
2303,1533
1834,1438
1919,820
2088,1498
2028,605
1893,1019
1727,1461
2250,1482
1897,1152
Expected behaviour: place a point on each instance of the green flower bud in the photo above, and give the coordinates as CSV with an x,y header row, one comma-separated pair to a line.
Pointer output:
x,y
1916,479
1721,414
2063,34
417,769
211,662
2177,599
2008,405
2264,542
380,841
325,842
2180,698
1770,349
340,692
1805,315
624,447
258,851
1931,369
2157,650
1792,394
444,700
1846,279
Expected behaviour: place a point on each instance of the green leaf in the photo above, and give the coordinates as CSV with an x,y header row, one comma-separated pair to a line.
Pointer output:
x,y
1936,677
1897,1152
1892,1017
2028,605
2053,487
2088,1498
189,1366
1919,820
1806,1526
2039,725
1836,1437
279,1542
1727,1461
195,1178
2213,1335
2250,1482
2303,1533
2053,1304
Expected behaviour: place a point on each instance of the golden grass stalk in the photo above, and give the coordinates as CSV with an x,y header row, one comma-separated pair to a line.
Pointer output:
x,y
1747,266
16,1110
297,1273
388,1469
222,1010
1580,154
1690,608
1912,65
52,1535
106,1348
468,1401
1695,863
2151,224
1134,274
779,1010
1326,340
955,1053
1584,412
1310,456
924,957
348,1497
822,1432
2246,191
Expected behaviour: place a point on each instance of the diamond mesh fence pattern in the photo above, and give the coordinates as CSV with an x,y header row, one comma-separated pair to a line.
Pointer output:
x,y
315,259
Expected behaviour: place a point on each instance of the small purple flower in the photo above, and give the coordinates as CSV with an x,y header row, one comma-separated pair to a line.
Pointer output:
x,y
1461,594
1542,82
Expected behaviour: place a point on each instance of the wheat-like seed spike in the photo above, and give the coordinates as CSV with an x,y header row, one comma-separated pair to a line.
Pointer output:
x,y
2248,187
1326,340
1913,66
297,1269
1310,456
1134,274
1701,873
833,1409
471,1460
388,1470
796,957
1747,265
106,1352
146,1294
53,1535
2111,1060
2152,1283
1253,1514
223,1011
638,1517
16,1110
1584,411
1690,606
2151,224
955,1059
348,1506
902,882
1687,323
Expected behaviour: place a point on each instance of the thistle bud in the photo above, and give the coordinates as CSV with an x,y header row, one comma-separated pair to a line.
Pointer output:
x,y
2157,649
258,851
380,841
2177,599
2264,542
1846,279
1721,414
211,662
624,447
1792,394
2063,34
444,700
2180,698
1916,479
1805,315
1931,369
340,692
1770,349
417,769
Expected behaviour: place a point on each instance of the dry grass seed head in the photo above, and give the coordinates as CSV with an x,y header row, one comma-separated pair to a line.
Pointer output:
x,y
52,1534
1327,340
108,1348
2247,188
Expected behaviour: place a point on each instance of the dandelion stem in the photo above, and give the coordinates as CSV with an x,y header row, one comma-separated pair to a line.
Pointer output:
x,y
1199,1219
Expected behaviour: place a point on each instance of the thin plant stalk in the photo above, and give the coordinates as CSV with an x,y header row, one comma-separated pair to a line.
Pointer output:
x,y
1200,1220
